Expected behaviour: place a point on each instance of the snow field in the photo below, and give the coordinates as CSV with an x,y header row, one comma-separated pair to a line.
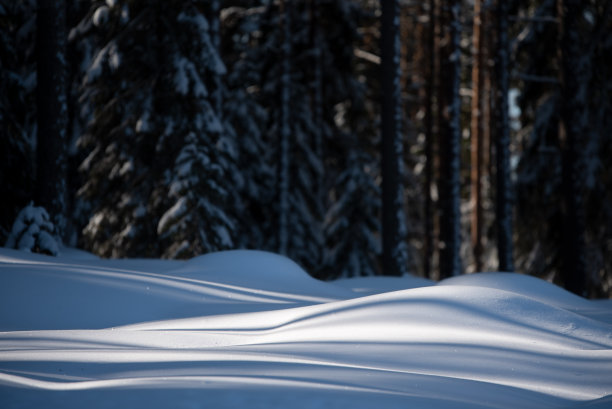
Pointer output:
x,y
251,329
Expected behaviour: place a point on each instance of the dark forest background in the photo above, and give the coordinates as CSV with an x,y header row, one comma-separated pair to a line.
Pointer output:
x,y
362,137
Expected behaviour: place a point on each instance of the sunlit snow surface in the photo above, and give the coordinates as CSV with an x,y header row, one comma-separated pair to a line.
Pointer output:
x,y
248,329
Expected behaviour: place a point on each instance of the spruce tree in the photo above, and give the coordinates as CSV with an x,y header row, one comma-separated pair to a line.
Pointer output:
x,y
245,114
17,108
352,223
158,154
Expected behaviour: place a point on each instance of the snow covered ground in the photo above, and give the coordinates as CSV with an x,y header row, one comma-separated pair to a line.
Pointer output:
x,y
247,329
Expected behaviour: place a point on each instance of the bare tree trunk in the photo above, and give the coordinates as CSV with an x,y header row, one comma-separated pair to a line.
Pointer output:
x,y
395,254
477,135
52,110
450,139
429,138
486,114
502,141
575,76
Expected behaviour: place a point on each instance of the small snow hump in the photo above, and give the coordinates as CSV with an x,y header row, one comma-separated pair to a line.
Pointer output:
x,y
33,231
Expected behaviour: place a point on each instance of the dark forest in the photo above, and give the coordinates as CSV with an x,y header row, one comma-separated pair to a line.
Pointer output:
x,y
438,138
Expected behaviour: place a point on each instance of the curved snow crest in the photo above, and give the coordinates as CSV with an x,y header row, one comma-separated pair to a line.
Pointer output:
x,y
261,271
522,284
536,289
457,315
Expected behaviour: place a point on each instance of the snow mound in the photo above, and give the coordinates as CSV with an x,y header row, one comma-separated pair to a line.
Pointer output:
x,y
78,292
521,284
252,329
536,289
261,271
457,315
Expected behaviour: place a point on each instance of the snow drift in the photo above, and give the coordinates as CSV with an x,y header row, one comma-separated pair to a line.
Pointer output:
x,y
252,329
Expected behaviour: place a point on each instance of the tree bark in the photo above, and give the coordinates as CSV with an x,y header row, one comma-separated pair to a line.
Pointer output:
x,y
575,76
429,138
52,110
503,202
450,139
393,230
477,135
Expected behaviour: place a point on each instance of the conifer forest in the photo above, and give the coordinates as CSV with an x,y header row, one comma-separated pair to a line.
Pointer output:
x,y
357,137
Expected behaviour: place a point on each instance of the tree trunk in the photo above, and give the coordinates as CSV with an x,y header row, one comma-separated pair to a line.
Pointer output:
x,y
486,105
52,110
429,138
285,130
395,255
574,128
477,135
503,202
450,139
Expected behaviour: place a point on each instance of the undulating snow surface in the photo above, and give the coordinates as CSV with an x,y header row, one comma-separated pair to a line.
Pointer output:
x,y
246,329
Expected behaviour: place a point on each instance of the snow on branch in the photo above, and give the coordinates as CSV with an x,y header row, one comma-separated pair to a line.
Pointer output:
x,y
33,231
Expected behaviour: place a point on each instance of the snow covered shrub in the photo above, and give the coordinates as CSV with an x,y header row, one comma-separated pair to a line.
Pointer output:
x,y
33,231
